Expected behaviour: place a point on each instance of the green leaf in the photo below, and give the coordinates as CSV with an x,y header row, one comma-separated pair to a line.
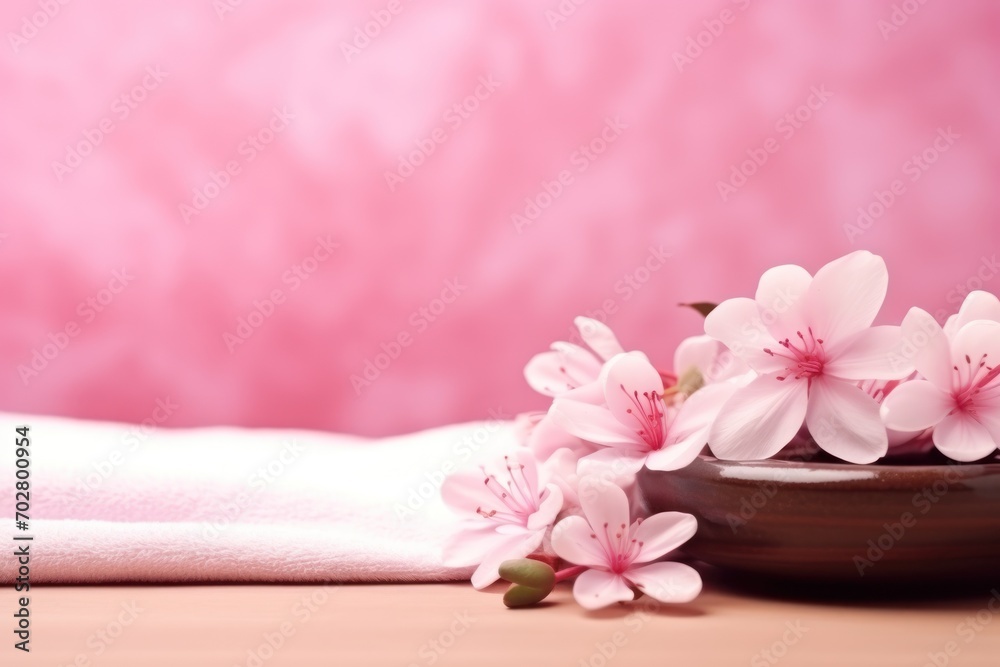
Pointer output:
x,y
702,307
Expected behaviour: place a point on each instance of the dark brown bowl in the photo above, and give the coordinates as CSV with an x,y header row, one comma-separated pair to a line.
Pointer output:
x,y
839,523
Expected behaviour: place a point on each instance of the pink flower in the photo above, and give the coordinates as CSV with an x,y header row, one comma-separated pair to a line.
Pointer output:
x,y
568,366
634,426
507,512
960,397
811,341
619,555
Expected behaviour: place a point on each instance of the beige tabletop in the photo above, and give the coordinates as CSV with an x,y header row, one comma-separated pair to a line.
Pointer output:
x,y
451,624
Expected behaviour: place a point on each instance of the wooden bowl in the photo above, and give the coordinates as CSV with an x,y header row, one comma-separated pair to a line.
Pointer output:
x,y
837,522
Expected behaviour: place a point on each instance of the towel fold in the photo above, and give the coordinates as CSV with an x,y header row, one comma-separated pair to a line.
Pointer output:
x,y
136,503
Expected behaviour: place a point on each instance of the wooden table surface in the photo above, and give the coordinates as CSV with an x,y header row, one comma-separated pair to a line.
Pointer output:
x,y
451,624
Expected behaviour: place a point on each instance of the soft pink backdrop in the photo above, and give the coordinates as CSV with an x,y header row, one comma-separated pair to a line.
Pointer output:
x,y
655,185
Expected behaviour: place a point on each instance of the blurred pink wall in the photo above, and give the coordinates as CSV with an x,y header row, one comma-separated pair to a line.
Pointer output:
x,y
455,189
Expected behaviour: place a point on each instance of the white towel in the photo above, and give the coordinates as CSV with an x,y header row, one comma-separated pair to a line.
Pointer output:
x,y
126,503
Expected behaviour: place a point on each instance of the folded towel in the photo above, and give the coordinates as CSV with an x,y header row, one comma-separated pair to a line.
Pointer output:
x,y
130,503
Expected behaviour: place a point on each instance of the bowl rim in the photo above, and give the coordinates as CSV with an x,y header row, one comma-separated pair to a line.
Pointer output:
x,y
824,465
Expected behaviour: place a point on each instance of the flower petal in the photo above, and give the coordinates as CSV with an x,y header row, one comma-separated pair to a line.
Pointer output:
x,y
870,354
846,295
596,588
605,506
962,438
547,437
759,419
631,386
978,342
614,460
845,421
701,409
581,365
572,541
736,323
666,582
510,547
978,305
545,374
662,533
915,405
564,367
463,491
599,337
469,546
696,352
679,454
593,423
931,350
780,300
548,509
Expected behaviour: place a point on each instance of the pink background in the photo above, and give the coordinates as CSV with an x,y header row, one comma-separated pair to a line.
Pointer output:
x,y
162,336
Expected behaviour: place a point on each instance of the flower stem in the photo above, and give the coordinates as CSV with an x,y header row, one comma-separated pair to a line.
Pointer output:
x,y
569,573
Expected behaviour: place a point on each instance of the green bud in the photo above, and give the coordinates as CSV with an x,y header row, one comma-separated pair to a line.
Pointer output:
x,y
524,596
529,572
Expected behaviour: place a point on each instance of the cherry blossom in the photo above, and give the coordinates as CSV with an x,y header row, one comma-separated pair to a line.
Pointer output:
x,y
811,341
960,395
618,554
507,509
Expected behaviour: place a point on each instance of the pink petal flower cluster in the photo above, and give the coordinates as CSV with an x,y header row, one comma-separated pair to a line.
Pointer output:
x,y
612,413
802,360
